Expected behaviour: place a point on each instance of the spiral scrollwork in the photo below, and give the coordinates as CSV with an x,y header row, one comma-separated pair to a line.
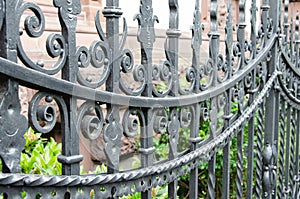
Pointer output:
x,y
241,92
222,69
238,93
160,121
221,101
90,120
249,49
174,125
55,44
34,25
206,75
127,61
190,76
204,113
165,74
237,53
99,56
260,36
127,66
155,72
261,73
220,63
42,114
165,69
270,27
185,117
83,56
130,123
248,81
139,72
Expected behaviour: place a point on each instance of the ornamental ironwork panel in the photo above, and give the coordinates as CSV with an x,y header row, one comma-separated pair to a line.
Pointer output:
x,y
234,115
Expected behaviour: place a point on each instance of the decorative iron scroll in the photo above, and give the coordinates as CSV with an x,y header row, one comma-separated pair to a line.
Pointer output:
x,y
246,98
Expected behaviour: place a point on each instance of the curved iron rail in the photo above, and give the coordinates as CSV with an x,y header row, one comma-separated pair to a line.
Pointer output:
x,y
35,79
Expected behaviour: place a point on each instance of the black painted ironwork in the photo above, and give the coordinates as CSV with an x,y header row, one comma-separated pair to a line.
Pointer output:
x,y
254,86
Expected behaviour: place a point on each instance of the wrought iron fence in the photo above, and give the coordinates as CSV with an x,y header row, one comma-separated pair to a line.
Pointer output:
x,y
250,92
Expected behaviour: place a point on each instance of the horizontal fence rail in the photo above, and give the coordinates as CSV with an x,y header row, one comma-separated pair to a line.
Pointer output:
x,y
225,125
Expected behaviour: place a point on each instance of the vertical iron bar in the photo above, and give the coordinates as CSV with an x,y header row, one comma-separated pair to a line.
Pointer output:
x,y
147,148
291,41
280,191
10,106
214,36
259,158
112,13
276,142
212,161
194,138
239,164
9,32
293,171
196,44
287,151
286,21
297,154
251,127
194,135
283,188
241,32
271,123
226,171
292,151
240,136
227,113
172,186
173,34
70,157
146,37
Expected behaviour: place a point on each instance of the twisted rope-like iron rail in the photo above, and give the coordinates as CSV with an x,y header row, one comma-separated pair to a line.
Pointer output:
x,y
93,180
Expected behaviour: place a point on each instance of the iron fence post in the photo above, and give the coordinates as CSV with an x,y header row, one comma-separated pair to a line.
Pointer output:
x,y
112,13
214,36
271,18
70,157
13,125
173,34
146,37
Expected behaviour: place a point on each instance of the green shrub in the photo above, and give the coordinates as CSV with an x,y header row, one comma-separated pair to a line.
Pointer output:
x,y
40,155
